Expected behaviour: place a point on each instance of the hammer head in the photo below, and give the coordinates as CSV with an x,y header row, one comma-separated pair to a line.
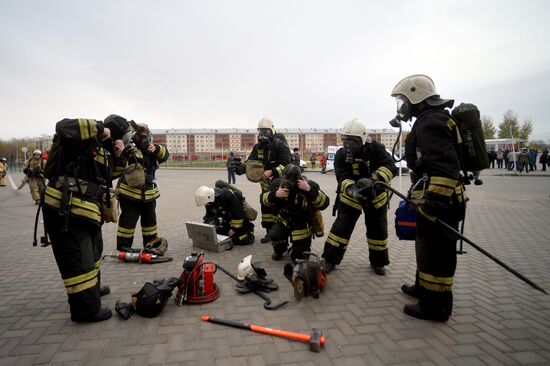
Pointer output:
x,y
316,339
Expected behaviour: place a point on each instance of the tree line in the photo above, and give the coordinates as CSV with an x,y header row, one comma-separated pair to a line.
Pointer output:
x,y
509,127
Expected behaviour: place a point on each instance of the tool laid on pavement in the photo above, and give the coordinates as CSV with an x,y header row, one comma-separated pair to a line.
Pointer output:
x,y
197,281
308,276
140,257
460,236
315,339
243,288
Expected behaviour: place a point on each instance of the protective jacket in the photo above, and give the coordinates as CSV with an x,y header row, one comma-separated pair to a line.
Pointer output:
x,y
229,208
84,170
150,163
432,150
275,156
372,162
293,216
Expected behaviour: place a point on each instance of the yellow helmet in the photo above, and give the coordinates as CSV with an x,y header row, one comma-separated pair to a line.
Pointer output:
x,y
266,123
355,128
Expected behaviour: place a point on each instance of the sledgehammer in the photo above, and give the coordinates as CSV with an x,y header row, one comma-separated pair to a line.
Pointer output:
x,y
315,339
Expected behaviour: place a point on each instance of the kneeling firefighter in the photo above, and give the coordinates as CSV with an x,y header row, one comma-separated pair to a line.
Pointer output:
x,y
432,150
138,192
226,204
359,163
76,202
295,199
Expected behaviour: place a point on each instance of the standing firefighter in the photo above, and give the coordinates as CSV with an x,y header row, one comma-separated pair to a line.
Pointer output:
x,y
274,154
3,171
34,172
138,192
79,172
359,163
295,199
226,202
431,150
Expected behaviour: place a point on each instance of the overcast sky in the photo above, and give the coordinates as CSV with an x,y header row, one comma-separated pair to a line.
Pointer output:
x,y
193,64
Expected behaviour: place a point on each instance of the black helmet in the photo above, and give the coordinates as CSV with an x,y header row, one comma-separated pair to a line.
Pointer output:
x,y
118,126
293,172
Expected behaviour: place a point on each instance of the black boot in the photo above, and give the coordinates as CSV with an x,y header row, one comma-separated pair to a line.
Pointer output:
x,y
276,256
265,239
329,267
102,314
379,270
415,311
410,290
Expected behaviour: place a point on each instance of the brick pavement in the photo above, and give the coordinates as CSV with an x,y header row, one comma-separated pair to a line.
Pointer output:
x,y
497,318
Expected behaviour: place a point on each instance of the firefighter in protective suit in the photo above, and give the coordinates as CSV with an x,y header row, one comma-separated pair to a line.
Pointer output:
x,y
34,170
357,165
293,197
431,150
79,171
138,192
274,153
223,203
3,171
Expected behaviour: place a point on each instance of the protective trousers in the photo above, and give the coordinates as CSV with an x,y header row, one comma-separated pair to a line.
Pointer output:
x,y
131,211
35,185
268,218
243,236
436,263
298,232
78,256
376,222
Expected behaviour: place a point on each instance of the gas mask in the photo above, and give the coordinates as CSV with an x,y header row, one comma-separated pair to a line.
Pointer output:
x,y
352,147
264,136
404,109
143,138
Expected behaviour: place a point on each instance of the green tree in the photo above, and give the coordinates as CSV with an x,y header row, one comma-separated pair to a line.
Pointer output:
x,y
509,122
526,129
488,126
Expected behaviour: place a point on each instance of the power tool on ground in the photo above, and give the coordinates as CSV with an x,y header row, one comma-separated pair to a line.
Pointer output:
x,y
139,257
308,276
197,281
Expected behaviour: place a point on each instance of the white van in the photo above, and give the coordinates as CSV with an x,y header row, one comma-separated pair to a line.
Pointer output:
x,y
331,153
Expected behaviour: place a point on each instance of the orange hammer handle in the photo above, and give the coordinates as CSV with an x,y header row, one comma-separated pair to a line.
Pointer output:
x,y
285,334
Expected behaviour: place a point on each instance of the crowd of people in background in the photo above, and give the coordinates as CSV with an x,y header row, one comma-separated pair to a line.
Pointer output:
x,y
524,160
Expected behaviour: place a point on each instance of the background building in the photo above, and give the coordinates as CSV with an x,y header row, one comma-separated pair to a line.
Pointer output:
x,y
199,144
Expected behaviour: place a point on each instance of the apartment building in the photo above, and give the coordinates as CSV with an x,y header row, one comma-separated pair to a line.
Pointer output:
x,y
197,143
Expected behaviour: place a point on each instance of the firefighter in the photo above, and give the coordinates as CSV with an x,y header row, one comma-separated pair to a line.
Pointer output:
x,y
34,171
294,198
138,192
3,171
79,172
360,162
225,204
274,153
431,150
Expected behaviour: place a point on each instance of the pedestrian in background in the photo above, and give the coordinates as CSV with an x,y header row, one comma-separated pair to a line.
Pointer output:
x,y
500,157
533,159
231,166
544,159
312,160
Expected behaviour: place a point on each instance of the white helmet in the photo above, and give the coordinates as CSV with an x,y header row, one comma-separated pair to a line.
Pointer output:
x,y
245,267
203,195
37,152
355,128
416,88
267,123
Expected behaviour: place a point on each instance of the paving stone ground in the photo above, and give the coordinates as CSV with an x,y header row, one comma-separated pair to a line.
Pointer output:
x,y
497,319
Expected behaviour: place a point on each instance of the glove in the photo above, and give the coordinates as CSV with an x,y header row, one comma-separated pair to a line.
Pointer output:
x,y
431,209
360,194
